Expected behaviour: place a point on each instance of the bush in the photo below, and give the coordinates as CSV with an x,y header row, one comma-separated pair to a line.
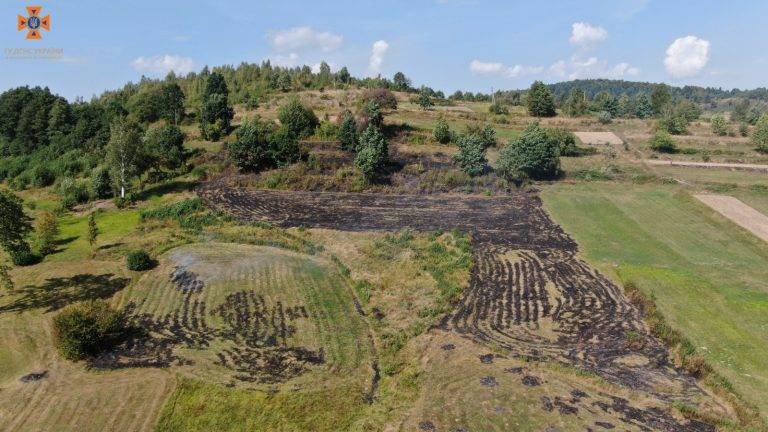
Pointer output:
x,y
21,255
385,98
87,329
471,155
674,125
73,192
139,261
719,126
498,108
42,176
327,131
539,101
563,140
744,129
442,131
532,155
348,132
663,143
372,152
101,183
760,134
604,117
46,229
298,118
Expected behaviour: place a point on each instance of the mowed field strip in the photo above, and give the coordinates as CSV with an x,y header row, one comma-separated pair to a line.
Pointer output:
x,y
740,213
739,166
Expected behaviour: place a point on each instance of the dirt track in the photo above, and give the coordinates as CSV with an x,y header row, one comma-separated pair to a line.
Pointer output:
x,y
737,166
740,213
529,293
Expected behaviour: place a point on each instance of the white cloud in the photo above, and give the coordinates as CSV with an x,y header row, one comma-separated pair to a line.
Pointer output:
x,y
304,38
378,51
687,56
586,34
495,68
478,67
316,67
287,60
162,64
596,68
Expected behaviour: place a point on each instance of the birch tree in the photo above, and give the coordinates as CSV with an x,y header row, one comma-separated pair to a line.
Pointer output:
x,y
125,153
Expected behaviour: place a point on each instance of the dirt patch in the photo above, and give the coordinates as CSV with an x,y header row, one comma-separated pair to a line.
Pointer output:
x,y
735,166
34,376
599,138
738,212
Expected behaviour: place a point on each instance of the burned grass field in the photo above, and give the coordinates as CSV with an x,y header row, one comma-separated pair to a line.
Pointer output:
x,y
530,296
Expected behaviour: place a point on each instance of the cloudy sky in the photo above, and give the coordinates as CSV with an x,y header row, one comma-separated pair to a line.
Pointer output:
x,y
447,44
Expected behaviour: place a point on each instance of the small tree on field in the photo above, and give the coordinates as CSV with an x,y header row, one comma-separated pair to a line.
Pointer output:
x,y
401,82
46,229
442,131
425,102
297,118
14,226
643,107
372,152
348,132
576,105
719,126
86,329
260,145
93,229
744,129
6,283
126,153
760,134
540,101
165,146
532,155
385,98
215,112
663,143
564,140
498,108
471,156
101,183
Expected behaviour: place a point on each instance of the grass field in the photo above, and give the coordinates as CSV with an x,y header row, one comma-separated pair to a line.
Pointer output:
x,y
706,274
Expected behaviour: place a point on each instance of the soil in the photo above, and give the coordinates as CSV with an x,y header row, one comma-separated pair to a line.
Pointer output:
x,y
740,213
529,293
736,166
599,138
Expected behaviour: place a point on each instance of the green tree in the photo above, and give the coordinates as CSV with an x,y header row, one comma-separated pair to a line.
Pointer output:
x,y
471,156
125,154
165,146
539,101
604,102
372,152
643,107
5,278
343,75
625,107
101,183
86,329
532,155
425,102
760,134
576,105
663,143
172,103
661,98
401,82
564,140
719,126
297,118
215,114
442,131
348,132
14,227
250,150
687,109
46,230
374,115
93,229
60,119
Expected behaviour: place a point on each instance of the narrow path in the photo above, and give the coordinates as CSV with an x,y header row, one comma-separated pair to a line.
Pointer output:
x,y
738,166
738,212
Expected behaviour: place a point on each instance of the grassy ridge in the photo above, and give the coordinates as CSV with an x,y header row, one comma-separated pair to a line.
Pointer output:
x,y
707,276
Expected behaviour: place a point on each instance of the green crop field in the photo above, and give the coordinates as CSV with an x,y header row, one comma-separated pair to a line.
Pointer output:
x,y
706,274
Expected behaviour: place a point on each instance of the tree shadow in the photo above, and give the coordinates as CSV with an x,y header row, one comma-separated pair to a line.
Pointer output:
x,y
56,293
166,188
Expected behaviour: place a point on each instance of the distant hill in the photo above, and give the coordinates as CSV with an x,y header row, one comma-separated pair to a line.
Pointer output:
x,y
619,87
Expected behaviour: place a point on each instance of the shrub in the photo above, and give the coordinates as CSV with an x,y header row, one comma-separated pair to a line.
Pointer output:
x,y
372,152
424,101
674,125
719,126
165,145
385,98
760,134
604,117
21,254
744,129
139,261
471,155
498,108
442,131
46,229
87,329
563,140
539,101
42,176
347,133
73,192
532,155
663,143
297,118
101,183
327,131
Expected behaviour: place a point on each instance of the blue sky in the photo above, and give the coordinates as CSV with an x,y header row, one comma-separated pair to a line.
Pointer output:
x,y
446,44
